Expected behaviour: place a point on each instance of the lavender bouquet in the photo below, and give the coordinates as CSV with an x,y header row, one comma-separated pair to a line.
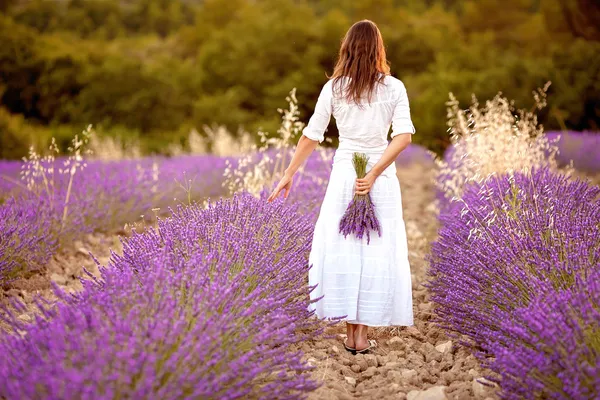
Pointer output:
x,y
360,218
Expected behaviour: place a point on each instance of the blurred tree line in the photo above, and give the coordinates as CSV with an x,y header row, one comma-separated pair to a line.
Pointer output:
x,y
153,69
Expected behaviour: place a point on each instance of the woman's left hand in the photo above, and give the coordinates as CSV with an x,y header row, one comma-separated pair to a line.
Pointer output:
x,y
364,185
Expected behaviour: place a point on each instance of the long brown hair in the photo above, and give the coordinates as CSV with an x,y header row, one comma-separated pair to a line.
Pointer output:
x,y
362,58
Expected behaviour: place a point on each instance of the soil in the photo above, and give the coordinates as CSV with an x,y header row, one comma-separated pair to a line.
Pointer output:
x,y
414,363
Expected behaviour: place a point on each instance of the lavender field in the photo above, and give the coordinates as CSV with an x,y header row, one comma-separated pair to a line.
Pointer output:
x,y
172,277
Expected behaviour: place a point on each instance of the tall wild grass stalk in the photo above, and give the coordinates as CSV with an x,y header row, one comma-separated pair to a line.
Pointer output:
x,y
265,164
490,140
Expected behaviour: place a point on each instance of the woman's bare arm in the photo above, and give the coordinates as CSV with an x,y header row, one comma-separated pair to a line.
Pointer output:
x,y
398,143
304,148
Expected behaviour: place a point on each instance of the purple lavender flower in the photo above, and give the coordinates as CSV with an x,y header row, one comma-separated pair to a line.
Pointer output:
x,y
359,218
26,238
517,242
207,305
104,196
555,351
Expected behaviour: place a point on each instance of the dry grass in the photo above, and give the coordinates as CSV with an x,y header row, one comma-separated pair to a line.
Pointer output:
x,y
493,139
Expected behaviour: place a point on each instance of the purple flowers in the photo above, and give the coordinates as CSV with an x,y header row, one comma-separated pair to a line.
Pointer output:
x,y
583,148
555,352
26,240
103,196
507,257
206,305
359,218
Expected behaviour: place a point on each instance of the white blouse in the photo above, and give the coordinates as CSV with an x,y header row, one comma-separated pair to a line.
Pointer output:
x,y
366,127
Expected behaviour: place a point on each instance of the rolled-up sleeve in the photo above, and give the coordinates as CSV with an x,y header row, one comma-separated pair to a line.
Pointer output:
x,y
401,122
315,130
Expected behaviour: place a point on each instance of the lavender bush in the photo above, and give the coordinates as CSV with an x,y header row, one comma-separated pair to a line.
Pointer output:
x,y
26,241
101,197
359,218
205,306
516,238
556,345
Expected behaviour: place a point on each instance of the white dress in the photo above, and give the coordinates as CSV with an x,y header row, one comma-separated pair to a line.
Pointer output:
x,y
370,284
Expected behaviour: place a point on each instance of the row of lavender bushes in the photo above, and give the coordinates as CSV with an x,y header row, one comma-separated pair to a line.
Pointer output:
x,y
49,200
206,305
55,208
515,271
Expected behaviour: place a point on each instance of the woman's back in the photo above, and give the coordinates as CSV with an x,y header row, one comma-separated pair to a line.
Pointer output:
x,y
364,126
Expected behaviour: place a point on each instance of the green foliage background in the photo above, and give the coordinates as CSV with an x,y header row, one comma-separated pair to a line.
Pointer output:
x,y
153,69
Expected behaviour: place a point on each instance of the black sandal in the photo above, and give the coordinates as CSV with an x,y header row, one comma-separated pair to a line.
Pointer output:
x,y
372,344
350,349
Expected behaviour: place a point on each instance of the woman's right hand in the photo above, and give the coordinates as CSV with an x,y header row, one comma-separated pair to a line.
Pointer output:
x,y
284,183
364,185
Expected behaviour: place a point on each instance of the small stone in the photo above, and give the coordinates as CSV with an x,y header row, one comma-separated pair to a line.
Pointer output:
x,y
320,355
395,376
444,347
363,365
433,393
394,340
425,306
355,368
59,279
433,355
413,331
370,372
337,367
347,371
391,365
83,251
473,373
350,380
426,348
371,360
482,387
335,349
312,361
415,359
408,374
345,361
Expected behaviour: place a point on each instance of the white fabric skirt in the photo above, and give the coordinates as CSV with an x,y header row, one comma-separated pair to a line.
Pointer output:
x,y
370,284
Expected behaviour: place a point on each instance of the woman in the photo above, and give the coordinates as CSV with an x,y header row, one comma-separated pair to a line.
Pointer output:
x,y
370,284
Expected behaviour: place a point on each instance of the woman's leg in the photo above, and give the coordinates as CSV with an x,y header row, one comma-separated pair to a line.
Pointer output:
x,y
350,328
360,337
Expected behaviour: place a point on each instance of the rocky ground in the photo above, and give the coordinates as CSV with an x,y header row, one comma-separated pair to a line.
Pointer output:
x,y
415,363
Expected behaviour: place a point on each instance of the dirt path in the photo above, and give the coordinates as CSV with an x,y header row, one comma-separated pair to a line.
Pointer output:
x,y
414,363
